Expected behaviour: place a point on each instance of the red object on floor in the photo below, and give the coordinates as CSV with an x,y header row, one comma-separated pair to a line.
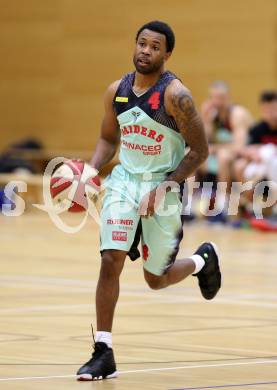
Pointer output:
x,y
264,225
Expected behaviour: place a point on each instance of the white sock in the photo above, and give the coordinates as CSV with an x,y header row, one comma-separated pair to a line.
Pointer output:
x,y
199,263
104,337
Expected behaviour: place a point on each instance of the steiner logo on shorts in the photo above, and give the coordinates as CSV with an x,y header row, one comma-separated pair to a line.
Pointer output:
x,y
119,236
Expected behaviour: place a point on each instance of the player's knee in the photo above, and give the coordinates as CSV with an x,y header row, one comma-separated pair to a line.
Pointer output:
x,y
111,266
154,282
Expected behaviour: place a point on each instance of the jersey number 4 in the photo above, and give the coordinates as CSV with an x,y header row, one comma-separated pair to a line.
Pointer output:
x,y
154,100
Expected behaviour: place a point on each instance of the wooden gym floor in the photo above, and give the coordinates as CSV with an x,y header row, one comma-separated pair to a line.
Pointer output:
x,y
170,339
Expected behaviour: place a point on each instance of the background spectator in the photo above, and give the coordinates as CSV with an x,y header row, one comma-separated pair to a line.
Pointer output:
x,y
226,125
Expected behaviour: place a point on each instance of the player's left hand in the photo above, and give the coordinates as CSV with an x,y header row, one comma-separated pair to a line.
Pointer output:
x,y
150,202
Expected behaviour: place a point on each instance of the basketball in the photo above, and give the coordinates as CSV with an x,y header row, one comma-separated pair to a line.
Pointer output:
x,y
74,182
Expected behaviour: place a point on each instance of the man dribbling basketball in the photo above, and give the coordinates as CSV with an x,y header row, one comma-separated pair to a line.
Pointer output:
x,y
152,115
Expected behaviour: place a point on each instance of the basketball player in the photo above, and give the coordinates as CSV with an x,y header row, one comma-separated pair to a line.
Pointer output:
x,y
152,115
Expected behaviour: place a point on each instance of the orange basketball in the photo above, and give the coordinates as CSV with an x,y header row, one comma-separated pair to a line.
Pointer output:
x,y
74,182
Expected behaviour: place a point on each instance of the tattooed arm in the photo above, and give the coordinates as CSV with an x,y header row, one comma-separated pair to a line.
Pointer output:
x,y
179,104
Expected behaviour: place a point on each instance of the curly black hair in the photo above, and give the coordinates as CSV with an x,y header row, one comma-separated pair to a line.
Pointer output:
x,y
161,28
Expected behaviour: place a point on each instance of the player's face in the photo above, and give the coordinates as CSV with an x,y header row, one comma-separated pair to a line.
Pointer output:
x,y
150,52
219,98
269,112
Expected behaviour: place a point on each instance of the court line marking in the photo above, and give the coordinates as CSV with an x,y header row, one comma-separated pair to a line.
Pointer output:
x,y
151,370
201,366
258,300
87,285
36,377
225,386
155,300
255,300
227,349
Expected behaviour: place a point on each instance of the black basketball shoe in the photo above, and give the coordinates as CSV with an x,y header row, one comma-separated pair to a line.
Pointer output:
x,y
100,366
209,278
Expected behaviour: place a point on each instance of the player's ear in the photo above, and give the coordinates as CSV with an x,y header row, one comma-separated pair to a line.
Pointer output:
x,y
167,55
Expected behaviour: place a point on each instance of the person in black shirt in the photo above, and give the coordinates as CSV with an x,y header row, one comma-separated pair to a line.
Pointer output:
x,y
265,131
255,157
258,160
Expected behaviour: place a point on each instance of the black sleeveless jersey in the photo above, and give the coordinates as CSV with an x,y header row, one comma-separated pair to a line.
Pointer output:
x,y
150,139
151,102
